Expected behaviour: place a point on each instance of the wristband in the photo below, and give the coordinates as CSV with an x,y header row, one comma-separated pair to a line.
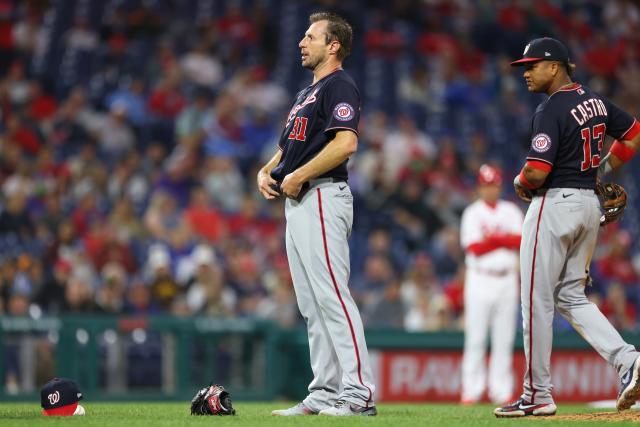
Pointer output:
x,y
522,181
621,151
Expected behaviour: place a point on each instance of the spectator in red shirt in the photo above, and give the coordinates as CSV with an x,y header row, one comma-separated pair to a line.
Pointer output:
x,y
236,28
6,35
512,16
27,138
42,106
249,224
86,212
204,219
454,292
617,264
382,40
603,57
620,312
166,101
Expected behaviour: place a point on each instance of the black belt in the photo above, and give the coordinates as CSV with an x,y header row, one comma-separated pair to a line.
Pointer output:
x,y
543,191
330,179
307,185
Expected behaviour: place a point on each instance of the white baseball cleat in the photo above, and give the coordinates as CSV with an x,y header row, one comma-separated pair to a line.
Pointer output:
x,y
342,408
299,409
629,387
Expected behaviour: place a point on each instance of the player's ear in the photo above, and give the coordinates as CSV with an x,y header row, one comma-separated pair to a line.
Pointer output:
x,y
334,47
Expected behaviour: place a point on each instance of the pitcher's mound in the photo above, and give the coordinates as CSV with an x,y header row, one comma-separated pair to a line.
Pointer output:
x,y
600,416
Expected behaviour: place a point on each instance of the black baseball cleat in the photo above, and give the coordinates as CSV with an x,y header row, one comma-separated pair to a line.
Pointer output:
x,y
520,408
629,387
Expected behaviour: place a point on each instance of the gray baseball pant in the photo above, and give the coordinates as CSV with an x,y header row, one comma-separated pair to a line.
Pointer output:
x,y
559,236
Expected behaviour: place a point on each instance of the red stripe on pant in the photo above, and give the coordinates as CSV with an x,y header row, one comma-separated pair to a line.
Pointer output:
x,y
335,286
533,269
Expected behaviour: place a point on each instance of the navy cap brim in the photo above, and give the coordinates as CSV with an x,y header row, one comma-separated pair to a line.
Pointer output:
x,y
524,61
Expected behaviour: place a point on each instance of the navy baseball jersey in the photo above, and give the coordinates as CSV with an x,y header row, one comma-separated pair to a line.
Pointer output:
x,y
568,131
319,111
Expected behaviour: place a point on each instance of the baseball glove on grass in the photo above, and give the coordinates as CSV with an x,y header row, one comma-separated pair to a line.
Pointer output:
x,y
614,201
212,400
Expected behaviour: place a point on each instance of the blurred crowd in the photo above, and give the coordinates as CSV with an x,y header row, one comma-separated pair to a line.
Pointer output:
x,y
131,133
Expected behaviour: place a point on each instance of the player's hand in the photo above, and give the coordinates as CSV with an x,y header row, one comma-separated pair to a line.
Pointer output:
x,y
267,186
291,185
523,193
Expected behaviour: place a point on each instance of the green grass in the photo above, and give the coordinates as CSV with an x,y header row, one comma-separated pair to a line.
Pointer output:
x,y
258,414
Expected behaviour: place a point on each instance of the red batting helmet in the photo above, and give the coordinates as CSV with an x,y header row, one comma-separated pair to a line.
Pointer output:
x,y
489,175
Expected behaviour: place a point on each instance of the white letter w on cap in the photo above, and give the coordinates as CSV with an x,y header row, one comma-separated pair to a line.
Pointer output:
x,y
54,397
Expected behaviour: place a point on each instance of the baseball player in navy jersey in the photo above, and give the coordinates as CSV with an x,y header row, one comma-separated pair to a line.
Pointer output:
x,y
490,235
561,225
310,170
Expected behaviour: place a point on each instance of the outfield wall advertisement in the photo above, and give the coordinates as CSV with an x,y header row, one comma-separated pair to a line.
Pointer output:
x,y
416,376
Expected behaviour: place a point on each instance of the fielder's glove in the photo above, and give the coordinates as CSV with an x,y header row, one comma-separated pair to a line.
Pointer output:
x,y
212,400
614,201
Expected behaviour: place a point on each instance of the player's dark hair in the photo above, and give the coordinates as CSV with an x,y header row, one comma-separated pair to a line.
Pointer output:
x,y
337,29
570,67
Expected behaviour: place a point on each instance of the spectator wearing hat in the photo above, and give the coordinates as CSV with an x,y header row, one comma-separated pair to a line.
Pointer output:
x,y
163,286
110,294
207,293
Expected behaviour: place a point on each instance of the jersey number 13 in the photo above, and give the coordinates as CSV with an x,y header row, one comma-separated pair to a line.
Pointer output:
x,y
595,133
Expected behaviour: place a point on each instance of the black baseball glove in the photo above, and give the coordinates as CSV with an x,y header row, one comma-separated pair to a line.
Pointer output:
x,y
212,400
614,201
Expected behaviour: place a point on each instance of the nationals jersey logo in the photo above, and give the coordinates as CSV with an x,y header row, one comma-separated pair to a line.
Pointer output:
x,y
343,112
541,142
308,100
54,397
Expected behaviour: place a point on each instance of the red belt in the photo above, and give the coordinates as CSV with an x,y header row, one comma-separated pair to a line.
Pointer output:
x,y
494,273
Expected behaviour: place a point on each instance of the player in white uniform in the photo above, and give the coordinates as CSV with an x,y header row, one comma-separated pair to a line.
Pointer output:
x,y
490,236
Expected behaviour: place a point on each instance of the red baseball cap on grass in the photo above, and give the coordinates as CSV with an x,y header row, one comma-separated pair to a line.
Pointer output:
x,y
59,397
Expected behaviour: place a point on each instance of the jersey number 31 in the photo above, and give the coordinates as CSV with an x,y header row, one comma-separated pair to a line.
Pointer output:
x,y
595,133
299,129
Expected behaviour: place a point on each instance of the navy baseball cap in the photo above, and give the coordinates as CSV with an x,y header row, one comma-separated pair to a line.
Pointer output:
x,y
543,49
59,396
